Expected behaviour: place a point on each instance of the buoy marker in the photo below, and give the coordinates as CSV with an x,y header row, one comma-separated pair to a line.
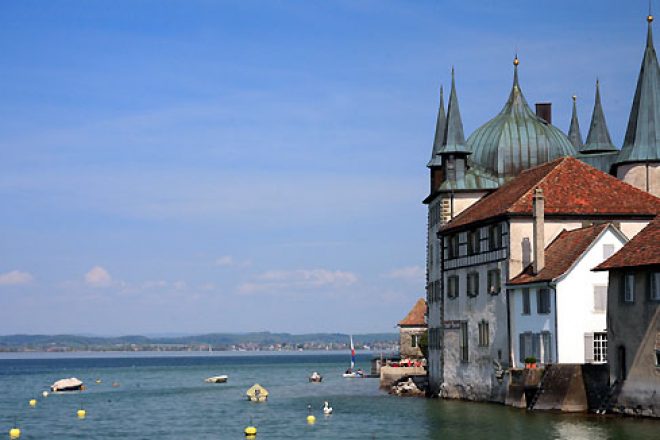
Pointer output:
x,y
310,418
33,402
14,433
45,394
250,432
81,413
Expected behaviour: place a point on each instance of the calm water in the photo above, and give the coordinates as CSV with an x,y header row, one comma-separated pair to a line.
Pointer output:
x,y
166,398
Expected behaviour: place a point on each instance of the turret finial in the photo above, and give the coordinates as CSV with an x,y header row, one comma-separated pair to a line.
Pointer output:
x,y
516,61
574,98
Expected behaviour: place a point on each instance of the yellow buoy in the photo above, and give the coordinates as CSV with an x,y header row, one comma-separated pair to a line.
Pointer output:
x,y
250,432
311,419
14,433
33,402
81,413
45,394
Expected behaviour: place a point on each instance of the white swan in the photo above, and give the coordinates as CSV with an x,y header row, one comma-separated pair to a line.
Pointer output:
x,y
326,408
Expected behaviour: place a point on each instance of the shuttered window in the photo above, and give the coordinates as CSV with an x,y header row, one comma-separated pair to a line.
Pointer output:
x,y
463,342
546,344
526,348
473,284
588,348
494,281
525,302
484,336
655,286
629,288
452,286
600,299
473,244
543,300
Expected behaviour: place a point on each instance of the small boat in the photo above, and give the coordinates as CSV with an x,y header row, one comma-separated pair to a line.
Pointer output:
x,y
217,379
315,377
257,393
70,384
350,372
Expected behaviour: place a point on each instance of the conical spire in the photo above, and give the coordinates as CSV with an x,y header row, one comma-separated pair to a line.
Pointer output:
x,y
598,139
439,134
454,139
642,140
574,134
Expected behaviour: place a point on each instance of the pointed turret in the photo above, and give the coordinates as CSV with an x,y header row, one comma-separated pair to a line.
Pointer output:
x,y
598,139
454,139
574,134
440,124
642,140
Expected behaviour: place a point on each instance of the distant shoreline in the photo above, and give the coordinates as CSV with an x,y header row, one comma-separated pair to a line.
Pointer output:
x,y
29,355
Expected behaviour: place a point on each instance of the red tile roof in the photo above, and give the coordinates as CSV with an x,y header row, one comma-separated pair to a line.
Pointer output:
x,y
561,254
417,315
642,250
570,187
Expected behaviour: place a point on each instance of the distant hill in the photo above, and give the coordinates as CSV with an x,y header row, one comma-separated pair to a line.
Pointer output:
x,y
218,341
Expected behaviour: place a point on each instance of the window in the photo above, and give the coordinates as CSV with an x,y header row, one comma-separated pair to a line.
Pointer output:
x,y
452,286
431,255
546,347
495,237
526,346
463,343
525,301
629,288
543,300
494,281
473,284
655,286
414,341
608,251
600,299
484,336
453,246
473,242
600,347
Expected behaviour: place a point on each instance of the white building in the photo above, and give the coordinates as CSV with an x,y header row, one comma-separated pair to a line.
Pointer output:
x,y
558,314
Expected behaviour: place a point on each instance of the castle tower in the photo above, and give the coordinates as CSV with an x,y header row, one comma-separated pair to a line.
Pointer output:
x,y
598,139
638,163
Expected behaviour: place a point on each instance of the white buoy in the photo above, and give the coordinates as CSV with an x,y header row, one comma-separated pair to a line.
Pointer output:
x,y
45,394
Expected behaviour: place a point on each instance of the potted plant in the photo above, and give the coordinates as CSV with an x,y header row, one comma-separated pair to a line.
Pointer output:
x,y
530,362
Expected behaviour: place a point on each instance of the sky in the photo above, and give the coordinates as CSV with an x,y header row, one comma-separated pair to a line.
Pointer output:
x,y
230,166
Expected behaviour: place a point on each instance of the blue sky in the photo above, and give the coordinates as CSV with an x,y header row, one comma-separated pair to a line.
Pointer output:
x,y
199,166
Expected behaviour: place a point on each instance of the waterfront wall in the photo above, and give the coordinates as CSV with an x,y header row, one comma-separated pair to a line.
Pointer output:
x,y
389,375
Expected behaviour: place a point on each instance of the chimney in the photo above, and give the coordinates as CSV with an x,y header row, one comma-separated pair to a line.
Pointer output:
x,y
538,207
544,111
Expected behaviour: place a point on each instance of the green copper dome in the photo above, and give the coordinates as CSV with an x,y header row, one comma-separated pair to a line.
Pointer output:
x,y
516,139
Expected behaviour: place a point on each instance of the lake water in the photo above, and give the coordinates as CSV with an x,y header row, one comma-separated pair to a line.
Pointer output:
x,y
165,397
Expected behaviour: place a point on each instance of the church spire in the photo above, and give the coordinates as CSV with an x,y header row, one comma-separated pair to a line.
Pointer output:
x,y
440,124
642,140
574,134
598,139
454,139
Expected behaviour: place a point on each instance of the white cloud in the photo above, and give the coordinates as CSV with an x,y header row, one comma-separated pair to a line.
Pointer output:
x,y
225,260
14,278
98,277
408,273
274,281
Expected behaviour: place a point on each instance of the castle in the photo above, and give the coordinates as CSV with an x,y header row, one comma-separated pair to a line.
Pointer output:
x,y
484,227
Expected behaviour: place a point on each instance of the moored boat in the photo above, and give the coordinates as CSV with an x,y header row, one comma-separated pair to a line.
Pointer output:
x,y
315,377
70,384
217,379
257,393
